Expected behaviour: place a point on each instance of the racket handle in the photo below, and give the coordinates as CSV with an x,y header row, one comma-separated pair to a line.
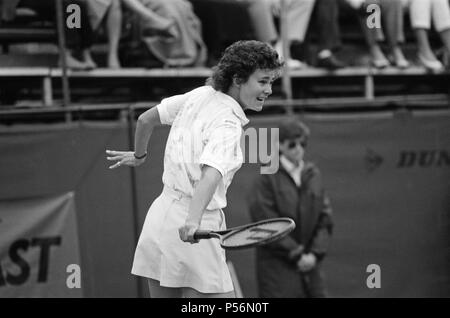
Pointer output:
x,y
201,234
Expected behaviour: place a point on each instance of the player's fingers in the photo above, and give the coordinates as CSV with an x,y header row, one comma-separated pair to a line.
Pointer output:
x,y
187,234
114,158
115,153
118,164
190,235
182,234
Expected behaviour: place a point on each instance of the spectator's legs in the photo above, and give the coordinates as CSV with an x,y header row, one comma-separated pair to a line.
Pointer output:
x,y
326,14
152,19
392,15
297,18
440,11
76,39
372,35
114,27
110,14
298,14
445,36
423,45
379,60
79,39
420,14
8,9
326,17
262,20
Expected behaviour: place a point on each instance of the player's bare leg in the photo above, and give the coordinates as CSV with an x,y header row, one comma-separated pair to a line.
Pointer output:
x,y
157,291
192,293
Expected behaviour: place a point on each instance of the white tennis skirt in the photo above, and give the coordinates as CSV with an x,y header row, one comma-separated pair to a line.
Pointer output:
x,y
163,256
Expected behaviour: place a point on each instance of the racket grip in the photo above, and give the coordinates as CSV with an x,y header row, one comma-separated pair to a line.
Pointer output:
x,y
198,235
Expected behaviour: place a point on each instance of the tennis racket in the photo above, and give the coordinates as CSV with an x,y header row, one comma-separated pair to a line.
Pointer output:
x,y
250,235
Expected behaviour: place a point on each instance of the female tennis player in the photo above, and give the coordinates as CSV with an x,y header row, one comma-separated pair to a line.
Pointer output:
x,y
201,157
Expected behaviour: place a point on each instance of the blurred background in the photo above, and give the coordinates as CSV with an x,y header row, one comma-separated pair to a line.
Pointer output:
x,y
372,83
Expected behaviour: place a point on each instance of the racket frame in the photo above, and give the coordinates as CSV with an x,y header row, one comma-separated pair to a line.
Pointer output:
x,y
224,234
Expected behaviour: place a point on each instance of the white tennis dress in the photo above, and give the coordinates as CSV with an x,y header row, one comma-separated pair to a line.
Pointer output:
x,y
206,129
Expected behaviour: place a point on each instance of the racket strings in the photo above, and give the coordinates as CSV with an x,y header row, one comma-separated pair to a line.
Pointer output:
x,y
257,234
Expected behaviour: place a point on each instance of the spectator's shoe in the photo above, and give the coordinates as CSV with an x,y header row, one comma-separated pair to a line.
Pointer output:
x,y
380,63
430,65
74,64
173,32
170,32
113,61
165,28
400,63
444,56
295,64
289,62
330,63
89,61
297,50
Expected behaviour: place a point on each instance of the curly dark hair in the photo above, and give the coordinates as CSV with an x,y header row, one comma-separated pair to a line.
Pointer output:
x,y
241,59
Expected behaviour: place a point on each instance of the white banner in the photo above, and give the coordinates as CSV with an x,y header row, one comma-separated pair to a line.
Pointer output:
x,y
39,252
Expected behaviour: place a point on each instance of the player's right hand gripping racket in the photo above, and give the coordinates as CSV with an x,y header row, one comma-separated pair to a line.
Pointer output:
x,y
250,235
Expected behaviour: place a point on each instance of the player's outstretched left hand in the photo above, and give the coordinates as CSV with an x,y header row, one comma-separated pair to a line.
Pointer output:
x,y
123,158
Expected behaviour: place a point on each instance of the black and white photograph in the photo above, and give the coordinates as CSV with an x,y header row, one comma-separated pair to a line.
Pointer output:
x,y
241,150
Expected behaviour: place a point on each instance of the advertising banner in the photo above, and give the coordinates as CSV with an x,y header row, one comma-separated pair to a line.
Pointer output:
x,y
39,253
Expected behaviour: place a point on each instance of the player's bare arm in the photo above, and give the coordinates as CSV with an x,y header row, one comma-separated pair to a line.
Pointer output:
x,y
144,128
203,194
